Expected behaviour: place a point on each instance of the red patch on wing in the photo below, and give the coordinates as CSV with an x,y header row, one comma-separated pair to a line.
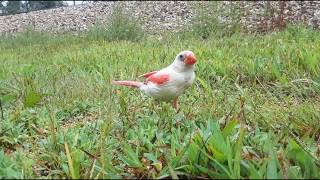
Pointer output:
x,y
159,78
146,75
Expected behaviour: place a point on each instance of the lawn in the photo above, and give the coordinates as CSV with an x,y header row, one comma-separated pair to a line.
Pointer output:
x,y
253,111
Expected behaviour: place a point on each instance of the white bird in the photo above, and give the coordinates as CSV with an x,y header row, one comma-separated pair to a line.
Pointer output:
x,y
170,82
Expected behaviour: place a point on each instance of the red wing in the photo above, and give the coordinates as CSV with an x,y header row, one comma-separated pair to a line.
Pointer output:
x,y
146,75
159,79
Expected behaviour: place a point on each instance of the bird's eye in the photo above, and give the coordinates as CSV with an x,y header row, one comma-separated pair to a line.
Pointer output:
x,y
180,56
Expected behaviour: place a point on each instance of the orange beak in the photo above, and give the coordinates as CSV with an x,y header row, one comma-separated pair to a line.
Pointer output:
x,y
190,59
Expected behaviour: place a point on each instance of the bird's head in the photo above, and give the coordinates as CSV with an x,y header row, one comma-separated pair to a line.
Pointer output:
x,y
185,59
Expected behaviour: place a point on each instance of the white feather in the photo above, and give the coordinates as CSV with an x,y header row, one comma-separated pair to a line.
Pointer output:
x,y
181,76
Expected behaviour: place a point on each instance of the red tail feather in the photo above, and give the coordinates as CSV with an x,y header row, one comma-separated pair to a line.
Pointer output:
x,y
134,84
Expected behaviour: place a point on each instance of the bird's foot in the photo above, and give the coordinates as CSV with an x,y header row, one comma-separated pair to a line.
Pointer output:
x,y
175,105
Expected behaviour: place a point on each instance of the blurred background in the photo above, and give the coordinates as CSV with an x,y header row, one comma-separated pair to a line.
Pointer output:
x,y
16,7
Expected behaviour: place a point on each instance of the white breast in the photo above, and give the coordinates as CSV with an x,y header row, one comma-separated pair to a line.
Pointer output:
x,y
177,84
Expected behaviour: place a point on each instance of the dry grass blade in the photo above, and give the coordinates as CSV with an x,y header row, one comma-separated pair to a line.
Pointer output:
x,y
70,162
1,109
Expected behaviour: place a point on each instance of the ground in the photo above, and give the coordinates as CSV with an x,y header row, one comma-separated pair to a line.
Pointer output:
x,y
253,111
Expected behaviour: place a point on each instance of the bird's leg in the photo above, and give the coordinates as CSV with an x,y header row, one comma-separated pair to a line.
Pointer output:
x,y
175,104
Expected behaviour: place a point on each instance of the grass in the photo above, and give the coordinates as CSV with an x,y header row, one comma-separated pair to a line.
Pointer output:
x,y
253,111
121,26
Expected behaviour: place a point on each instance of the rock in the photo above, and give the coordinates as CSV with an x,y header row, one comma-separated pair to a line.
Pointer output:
x,y
158,16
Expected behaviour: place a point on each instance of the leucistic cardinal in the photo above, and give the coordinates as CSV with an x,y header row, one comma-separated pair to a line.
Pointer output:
x,y
170,82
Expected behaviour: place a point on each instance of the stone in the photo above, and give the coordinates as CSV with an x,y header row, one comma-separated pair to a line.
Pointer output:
x,y
157,17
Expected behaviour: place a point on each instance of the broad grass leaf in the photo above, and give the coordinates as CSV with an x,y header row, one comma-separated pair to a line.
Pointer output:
x,y
227,130
172,173
272,172
212,174
130,158
150,157
294,172
74,175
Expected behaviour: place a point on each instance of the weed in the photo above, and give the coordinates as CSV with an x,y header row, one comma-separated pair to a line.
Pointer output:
x,y
121,26
252,113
